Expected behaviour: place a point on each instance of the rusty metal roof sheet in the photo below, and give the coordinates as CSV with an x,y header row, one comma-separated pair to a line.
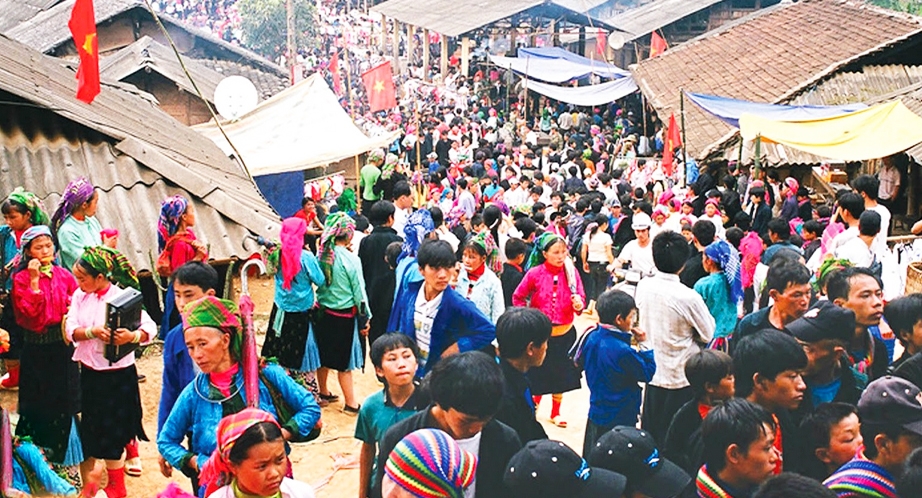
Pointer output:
x,y
769,57
133,151
146,54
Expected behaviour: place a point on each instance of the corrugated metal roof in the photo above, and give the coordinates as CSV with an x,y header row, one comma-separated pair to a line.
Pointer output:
x,y
17,11
458,17
147,54
871,85
123,143
770,57
48,30
654,15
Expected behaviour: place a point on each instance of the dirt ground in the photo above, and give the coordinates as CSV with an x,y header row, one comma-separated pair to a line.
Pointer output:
x,y
315,462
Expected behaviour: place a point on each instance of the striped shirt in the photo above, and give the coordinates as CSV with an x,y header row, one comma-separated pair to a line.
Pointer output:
x,y
861,478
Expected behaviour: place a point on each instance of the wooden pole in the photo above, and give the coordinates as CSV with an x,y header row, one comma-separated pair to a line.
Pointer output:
x,y
411,45
465,55
348,61
443,58
396,47
684,140
525,98
290,22
419,144
358,182
757,161
426,54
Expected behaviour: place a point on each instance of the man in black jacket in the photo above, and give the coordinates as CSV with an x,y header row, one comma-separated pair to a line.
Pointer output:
x,y
466,391
378,274
522,334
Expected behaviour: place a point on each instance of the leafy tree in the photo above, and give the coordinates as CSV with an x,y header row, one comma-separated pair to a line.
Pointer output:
x,y
911,6
265,26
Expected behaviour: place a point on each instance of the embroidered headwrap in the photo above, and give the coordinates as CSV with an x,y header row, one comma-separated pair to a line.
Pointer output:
x,y
337,225
792,185
171,211
113,264
32,204
346,201
217,471
390,165
75,194
375,156
428,463
542,243
287,256
828,266
725,255
220,314
455,216
485,241
32,233
418,226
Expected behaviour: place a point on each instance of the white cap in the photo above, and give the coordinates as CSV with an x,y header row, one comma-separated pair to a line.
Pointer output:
x,y
641,221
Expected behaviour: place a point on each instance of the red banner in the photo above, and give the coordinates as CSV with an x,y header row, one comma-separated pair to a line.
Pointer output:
x,y
82,26
379,85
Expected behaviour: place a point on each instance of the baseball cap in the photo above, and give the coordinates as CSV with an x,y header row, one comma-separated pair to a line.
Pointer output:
x,y
632,452
890,401
824,321
641,221
551,469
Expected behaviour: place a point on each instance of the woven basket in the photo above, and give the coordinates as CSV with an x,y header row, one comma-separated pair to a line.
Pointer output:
x,y
914,277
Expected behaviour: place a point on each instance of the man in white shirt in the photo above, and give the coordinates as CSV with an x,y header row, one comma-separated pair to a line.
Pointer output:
x,y
403,202
850,207
862,250
889,178
466,199
868,187
638,253
678,325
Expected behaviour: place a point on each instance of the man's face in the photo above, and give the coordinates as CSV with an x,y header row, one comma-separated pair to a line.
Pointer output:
x,y
436,279
643,236
793,302
785,391
461,425
895,453
756,463
865,299
821,356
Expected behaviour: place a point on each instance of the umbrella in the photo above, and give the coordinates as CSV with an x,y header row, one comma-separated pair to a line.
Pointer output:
x,y
250,358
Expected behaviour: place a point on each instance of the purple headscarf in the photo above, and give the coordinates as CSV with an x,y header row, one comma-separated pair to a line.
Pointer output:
x,y
171,211
78,192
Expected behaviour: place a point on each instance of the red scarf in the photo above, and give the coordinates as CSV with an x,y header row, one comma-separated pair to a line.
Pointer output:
x,y
474,275
223,380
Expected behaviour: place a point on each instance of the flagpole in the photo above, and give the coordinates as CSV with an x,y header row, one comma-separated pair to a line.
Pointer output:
x,y
349,83
525,84
418,130
684,140
758,159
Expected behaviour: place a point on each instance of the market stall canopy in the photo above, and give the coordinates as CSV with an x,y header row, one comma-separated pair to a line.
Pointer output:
x,y
303,127
590,95
729,110
871,133
557,53
557,70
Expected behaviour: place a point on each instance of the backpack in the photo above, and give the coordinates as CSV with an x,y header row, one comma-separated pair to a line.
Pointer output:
x,y
576,354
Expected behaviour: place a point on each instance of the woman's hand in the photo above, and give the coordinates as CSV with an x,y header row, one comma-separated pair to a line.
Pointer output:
x,y
121,336
201,252
110,242
286,434
34,272
577,303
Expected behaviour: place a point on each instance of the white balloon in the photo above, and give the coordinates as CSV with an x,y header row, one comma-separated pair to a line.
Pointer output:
x,y
235,96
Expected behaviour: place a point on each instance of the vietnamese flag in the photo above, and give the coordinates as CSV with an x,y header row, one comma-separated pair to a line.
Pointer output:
x,y
657,44
671,140
333,67
379,85
82,26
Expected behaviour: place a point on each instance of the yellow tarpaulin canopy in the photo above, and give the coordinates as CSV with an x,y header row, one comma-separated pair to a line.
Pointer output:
x,y
875,132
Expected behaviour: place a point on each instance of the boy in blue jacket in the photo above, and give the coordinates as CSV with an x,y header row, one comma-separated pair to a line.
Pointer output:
x,y
614,368
440,321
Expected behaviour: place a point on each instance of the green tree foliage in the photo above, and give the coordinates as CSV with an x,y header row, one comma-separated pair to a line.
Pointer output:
x,y
264,25
911,6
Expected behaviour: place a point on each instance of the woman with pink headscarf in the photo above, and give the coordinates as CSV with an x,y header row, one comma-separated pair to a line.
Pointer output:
x,y
290,338
789,193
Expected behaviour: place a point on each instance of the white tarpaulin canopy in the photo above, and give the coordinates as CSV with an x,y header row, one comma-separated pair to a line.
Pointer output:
x,y
300,128
557,70
591,95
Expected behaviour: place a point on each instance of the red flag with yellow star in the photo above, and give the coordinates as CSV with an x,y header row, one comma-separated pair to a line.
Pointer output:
x,y
82,26
672,139
379,85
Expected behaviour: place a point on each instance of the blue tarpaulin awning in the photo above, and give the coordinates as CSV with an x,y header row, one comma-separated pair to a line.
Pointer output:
x,y
729,110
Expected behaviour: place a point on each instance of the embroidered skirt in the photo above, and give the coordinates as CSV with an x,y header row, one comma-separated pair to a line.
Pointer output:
x,y
111,411
290,340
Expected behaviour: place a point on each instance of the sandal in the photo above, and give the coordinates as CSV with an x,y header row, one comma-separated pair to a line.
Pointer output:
x,y
329,398
133,467
559,422
349,410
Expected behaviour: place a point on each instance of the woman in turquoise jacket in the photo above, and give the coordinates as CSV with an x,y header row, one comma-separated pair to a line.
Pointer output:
x,y
213,334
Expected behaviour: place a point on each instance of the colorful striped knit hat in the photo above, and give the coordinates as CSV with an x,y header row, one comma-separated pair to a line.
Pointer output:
x,y
429,464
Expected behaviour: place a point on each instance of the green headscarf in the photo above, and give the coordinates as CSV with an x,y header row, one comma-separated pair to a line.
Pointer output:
x,y
337,225
220,314
346,201
113,264
32,204
543,243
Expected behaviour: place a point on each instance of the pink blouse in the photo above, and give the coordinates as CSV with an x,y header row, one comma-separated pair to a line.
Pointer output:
x,y
36,311
89,310
538,291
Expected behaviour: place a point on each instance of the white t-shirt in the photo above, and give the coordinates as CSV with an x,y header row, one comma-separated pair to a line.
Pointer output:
x,y
640,258
472,445
856,251
880,241
423,317
400,220
598,247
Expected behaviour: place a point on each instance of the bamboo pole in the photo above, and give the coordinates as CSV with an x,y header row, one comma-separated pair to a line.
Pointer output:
x,y
426,55
684,140
756,161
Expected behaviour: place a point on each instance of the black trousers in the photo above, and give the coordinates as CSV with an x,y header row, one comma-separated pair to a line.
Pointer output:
x,y
659,406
